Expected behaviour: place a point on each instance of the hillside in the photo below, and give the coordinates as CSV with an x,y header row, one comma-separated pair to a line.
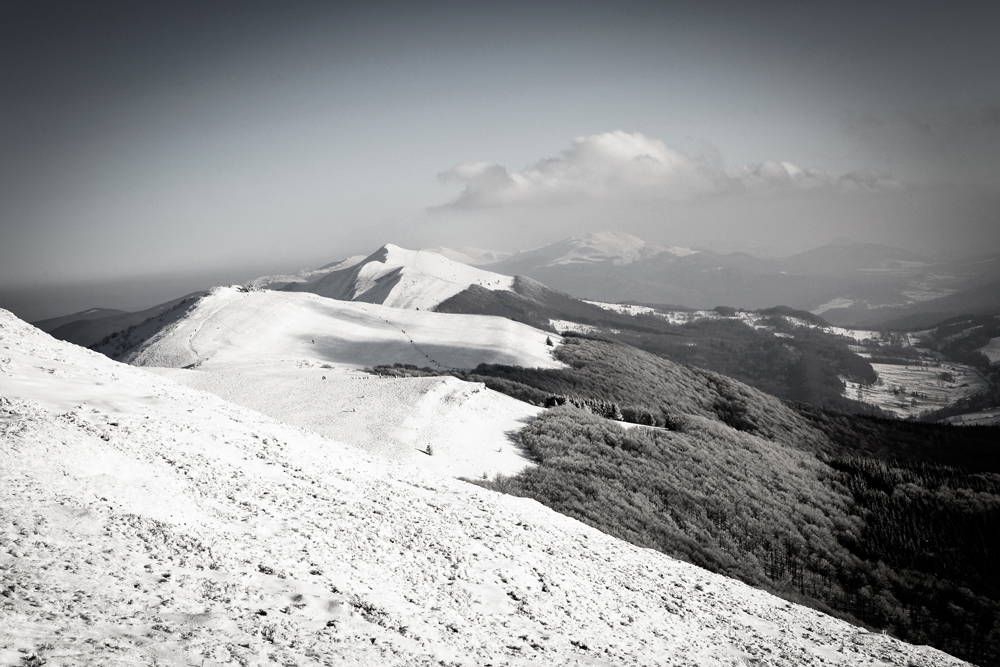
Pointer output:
x,y
789,354
617,248
89,327
400,278
145,522
294,357
305,275
882,520
234,326
91,314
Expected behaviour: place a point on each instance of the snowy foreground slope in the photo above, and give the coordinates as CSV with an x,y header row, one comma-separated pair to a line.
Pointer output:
x,y
402,278
144,522
295,357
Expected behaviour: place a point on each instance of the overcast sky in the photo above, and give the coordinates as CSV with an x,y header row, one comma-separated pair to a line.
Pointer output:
x,y
152,139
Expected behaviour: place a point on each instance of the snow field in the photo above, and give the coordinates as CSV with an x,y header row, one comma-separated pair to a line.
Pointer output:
x,y
144,522
575,327
305,275
469,430
894,391
233,327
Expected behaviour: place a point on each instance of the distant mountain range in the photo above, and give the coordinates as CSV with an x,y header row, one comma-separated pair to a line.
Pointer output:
x,y
847,283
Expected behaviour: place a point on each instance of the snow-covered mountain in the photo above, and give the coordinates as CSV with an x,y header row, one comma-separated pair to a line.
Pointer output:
x,y
144,522
401,278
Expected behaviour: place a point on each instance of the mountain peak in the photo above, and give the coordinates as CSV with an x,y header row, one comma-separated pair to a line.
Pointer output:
x,y
403,278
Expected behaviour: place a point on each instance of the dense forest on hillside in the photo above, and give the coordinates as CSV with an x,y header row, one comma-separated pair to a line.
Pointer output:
x,y
961,338
799,363
902,547
878,520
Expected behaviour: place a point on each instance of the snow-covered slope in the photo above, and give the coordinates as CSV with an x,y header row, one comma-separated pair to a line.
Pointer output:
x,y
455,428
143,522
401,278
230,326
295,357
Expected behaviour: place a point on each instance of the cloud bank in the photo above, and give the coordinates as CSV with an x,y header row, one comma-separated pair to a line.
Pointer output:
x,y
640,185
630,166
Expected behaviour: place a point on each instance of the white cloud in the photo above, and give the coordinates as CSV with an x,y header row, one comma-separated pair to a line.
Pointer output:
x,y
630,166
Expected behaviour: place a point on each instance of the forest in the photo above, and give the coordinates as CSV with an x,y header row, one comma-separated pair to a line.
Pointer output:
x,y
800,364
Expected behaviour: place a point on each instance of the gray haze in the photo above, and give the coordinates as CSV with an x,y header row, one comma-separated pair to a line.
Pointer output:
x,y
150,139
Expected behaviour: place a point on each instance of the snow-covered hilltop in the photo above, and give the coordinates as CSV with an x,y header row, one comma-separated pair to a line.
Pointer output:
x,y
295,357
144,522
400,278
232,326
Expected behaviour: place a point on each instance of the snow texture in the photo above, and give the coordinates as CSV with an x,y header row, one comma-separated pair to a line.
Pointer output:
x,y
230,326
144,522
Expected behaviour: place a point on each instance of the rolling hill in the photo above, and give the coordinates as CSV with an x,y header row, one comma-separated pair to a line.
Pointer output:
x,y
98,323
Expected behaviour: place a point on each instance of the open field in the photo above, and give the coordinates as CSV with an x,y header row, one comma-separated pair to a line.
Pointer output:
x,y
910,390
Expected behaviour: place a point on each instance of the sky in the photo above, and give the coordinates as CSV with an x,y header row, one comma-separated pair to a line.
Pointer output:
x,y
149,147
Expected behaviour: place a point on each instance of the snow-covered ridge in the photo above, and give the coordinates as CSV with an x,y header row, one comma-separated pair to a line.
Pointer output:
x,y
230,326
402,278
144,522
